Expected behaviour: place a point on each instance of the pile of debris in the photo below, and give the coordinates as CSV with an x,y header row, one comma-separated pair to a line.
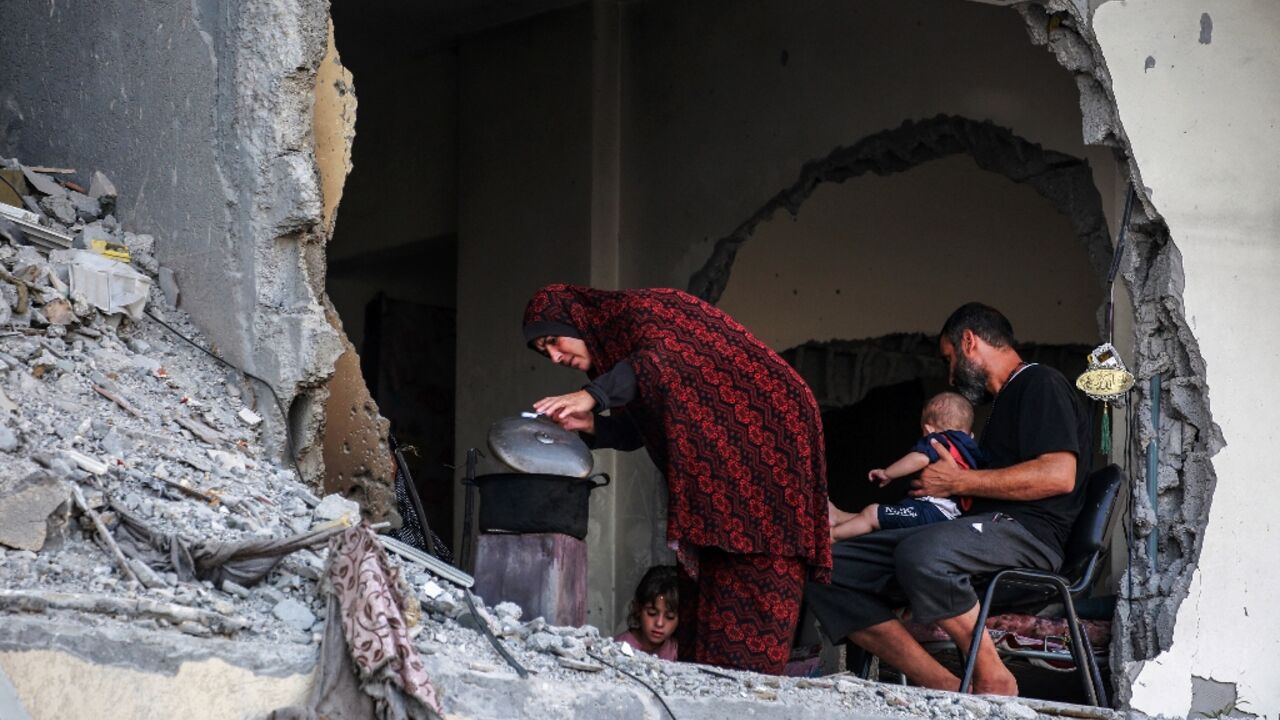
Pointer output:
x,y
136,492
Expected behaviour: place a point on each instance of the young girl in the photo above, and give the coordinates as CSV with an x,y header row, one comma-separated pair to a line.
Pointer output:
x,y
654,613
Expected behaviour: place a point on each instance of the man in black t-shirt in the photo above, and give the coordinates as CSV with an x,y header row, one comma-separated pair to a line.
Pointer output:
x,y
1037,442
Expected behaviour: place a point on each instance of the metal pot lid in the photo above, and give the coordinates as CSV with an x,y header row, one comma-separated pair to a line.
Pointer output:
x,y
537,445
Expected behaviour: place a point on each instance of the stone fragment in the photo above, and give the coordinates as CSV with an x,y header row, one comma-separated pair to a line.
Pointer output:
x,y
543,642
87,209
194,628
59,312
25,507
116,445
1019,711
249,417
233,588
140,243
59,208
8,439
294,614
335,506
169,286
432,589
85,238
508,610
102,189
229,462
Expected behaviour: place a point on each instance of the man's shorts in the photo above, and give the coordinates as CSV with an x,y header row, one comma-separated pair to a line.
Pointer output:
x,y
909,513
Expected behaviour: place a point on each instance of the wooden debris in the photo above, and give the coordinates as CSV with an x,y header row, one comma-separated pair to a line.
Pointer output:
x,y
103,534
200,430
51,170
43,600
579,665
210,496
118,400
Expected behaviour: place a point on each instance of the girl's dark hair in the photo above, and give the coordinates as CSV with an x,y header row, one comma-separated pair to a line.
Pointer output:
x,y
659,581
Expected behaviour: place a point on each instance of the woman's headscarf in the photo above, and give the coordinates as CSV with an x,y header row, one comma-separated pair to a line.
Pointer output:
x,y
735,430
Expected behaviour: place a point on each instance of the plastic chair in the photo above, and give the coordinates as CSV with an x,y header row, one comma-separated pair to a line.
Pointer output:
x,y
1079,570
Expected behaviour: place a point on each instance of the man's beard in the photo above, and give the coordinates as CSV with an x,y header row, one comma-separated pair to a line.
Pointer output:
x,y
970,381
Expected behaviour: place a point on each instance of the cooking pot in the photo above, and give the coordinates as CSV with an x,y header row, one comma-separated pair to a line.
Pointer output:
x,y
535,502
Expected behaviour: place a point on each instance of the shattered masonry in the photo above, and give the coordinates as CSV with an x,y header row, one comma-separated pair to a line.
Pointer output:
x,y
1164,345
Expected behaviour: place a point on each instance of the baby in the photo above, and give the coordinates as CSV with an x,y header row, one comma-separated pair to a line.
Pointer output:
x,y
947,418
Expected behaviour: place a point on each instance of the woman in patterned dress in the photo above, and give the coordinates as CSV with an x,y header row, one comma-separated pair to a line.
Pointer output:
x,y
735,431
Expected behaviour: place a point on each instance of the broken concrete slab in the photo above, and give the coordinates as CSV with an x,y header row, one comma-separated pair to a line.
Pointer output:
x,y
43,184
26,504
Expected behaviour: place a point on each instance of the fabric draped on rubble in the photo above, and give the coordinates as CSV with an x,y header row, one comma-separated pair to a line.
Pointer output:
x,y
244,563
367,641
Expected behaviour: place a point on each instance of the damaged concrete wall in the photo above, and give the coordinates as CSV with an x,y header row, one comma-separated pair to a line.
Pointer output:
x,y
1197,97
778,87
875,255
202,114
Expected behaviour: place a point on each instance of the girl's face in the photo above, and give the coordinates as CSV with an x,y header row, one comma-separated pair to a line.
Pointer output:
x,y
567,351
657,621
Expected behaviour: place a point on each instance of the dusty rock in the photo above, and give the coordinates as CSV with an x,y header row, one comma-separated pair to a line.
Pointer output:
x,y
8,439
335,506
26,504
294,613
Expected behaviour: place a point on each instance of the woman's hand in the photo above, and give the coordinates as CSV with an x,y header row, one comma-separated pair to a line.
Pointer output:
x,y
571,412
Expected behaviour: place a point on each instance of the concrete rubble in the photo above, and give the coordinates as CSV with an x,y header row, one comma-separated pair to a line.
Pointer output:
x,y
106,411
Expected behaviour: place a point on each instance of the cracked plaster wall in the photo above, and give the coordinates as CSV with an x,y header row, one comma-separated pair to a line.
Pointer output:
x,y
946,226
1203,122
201,113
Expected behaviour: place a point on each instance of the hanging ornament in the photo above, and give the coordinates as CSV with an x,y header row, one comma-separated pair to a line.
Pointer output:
x,y
1105,380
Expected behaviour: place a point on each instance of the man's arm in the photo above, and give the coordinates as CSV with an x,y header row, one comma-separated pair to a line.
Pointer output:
x,y
1041,477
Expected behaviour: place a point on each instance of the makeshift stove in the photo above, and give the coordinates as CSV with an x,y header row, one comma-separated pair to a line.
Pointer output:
x,y
532,522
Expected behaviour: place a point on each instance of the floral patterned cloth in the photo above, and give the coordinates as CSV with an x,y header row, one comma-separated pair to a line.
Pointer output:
x,y
373,618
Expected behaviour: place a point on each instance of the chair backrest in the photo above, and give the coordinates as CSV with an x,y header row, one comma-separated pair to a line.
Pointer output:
x,y
1090,529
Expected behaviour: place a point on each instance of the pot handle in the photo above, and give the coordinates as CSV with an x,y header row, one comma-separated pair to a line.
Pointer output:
x,y
595,485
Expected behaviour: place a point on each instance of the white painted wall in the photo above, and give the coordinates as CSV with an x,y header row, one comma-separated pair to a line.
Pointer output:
x,y
1204,122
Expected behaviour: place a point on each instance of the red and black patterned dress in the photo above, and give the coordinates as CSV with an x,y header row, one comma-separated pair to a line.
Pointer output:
x,y
738,435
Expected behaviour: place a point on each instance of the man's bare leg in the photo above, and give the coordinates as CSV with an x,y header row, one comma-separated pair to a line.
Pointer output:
x,y
990,676
891,642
